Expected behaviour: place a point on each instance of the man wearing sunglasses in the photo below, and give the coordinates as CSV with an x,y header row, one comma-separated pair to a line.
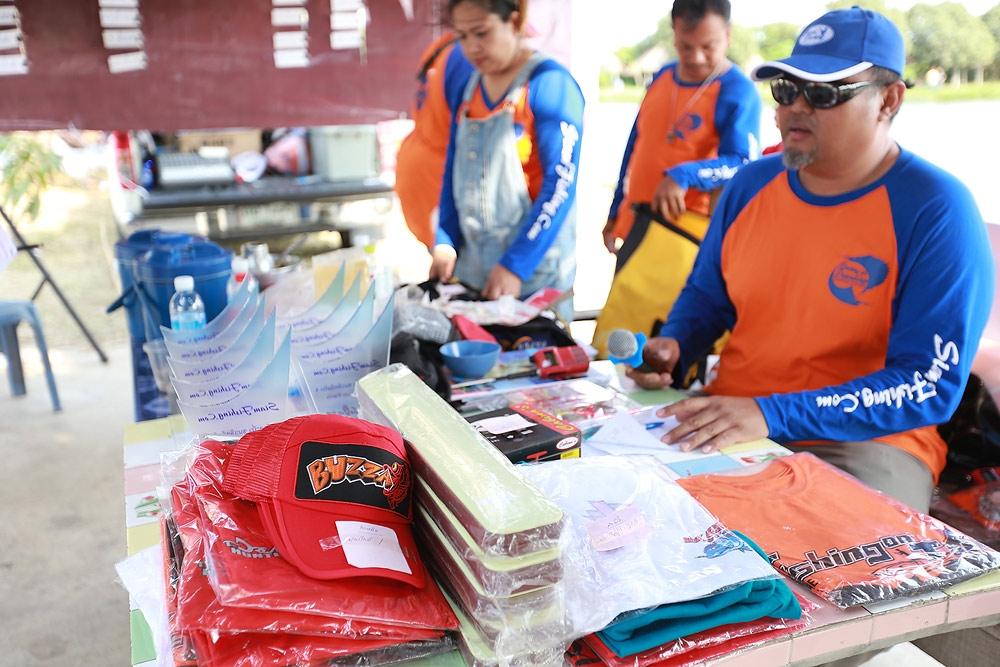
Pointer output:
x,y
855,277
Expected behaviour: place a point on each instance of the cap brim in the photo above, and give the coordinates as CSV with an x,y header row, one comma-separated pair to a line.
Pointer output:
x,y
810,68
310,540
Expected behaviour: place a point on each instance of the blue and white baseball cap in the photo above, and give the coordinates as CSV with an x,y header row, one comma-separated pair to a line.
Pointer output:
x,y
840,44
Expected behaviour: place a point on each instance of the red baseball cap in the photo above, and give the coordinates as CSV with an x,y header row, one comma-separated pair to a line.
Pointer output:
x,y
334,494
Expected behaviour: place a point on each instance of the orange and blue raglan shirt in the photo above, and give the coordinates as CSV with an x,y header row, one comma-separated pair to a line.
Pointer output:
x,y
698,135
853,317
548,122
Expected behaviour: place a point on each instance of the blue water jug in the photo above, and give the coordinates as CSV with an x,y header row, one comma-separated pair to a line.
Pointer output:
x,y
172,255
127,251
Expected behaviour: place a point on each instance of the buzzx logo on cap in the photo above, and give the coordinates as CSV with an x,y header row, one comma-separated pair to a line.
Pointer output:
x,y
352,473
336,469
815,35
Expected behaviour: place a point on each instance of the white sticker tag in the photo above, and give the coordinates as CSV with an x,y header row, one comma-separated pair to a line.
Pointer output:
x,y
617,529
13,64
10,39
130,38
345,39
370,545
344,5
504,424
291,39
290,17
284,58
127,62
120,18
346,20
8,15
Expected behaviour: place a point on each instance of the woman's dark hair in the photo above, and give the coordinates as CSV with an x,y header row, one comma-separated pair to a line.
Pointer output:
x,y
502,8
691,12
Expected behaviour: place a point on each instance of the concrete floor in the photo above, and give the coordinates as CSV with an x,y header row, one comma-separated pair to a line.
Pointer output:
x,y
62,512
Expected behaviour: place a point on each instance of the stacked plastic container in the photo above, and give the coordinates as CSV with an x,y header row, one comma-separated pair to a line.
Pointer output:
x,y
492,540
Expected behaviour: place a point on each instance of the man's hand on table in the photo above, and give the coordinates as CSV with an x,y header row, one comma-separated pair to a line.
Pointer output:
x,y
711,422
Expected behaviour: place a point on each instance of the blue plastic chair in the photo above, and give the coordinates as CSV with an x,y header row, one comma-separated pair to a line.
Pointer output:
x,y
13,313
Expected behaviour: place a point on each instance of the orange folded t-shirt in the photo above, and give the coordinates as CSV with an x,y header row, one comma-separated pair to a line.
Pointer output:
x,y
849,543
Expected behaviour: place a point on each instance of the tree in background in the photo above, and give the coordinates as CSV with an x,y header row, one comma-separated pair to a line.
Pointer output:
x,y
775,40
948,36
742,45
27,166
991,20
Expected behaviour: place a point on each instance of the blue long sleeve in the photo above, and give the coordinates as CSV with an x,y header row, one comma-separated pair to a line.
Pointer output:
x,y
556,103
737,119
457,73
616,201
448,232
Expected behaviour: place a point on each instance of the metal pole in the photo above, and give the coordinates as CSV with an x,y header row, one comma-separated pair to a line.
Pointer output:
x,y
47,278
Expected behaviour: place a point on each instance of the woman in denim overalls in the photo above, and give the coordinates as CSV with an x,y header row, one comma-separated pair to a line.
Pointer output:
x,y
507,212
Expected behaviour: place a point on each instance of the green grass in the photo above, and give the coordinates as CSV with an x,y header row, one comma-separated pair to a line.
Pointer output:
x,y
989,90
631,94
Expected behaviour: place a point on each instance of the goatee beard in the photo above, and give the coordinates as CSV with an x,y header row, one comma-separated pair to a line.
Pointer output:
x,y
796,159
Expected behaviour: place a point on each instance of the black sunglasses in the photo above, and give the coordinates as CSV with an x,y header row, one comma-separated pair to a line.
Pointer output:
x,y
819,95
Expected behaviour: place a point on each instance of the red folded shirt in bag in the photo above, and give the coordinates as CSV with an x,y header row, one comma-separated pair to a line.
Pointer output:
x,y
247,572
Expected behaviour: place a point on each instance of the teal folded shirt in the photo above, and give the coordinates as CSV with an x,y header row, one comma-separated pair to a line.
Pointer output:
x,y
748,602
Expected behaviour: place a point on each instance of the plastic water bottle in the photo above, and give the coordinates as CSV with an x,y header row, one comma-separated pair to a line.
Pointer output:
x,y
241,272
187,312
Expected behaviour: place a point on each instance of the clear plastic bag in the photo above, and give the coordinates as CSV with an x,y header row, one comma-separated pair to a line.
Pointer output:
x,y
253,588
637,540
847,542
504,515
500,576
254,650
420,321
697,649
579,402
141,574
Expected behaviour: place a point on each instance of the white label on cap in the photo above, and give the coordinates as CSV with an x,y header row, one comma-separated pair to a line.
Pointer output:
x,y
816,34
369,545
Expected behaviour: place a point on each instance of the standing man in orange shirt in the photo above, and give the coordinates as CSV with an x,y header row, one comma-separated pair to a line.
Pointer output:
x,y
856,278
697,125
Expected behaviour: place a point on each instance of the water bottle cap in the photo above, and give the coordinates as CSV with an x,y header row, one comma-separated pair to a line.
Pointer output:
x,y
184,283
240,264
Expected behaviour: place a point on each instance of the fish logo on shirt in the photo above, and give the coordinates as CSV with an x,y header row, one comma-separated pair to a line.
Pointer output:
x,y
856,275
719,541
686,124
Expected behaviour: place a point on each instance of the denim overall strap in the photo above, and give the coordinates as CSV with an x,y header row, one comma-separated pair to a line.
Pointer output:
x,y
491,195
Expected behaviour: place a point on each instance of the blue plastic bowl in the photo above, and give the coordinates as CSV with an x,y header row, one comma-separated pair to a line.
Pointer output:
x,y
470,359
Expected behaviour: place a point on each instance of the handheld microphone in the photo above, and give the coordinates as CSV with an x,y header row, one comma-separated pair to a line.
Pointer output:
x,y
625,347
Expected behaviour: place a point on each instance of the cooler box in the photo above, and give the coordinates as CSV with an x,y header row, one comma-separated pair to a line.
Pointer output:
x,y
344,152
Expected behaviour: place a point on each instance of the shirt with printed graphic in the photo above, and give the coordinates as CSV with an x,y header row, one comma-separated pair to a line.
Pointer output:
x,y
697,133
870,548
548,120
854,317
